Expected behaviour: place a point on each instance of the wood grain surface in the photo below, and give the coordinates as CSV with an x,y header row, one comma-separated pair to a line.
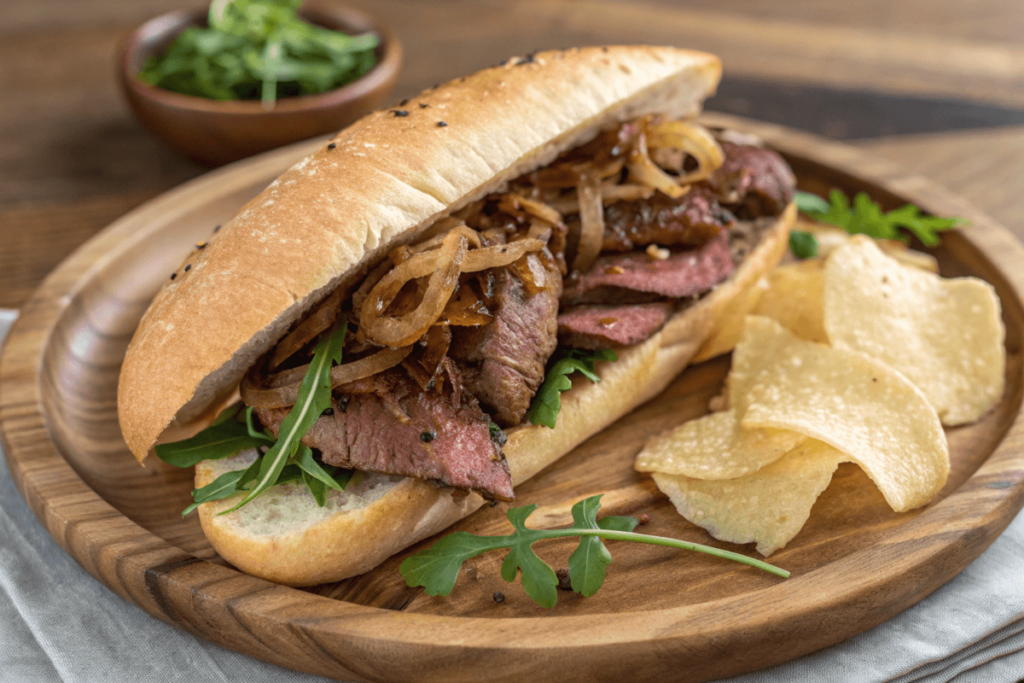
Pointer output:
x,y
933,85
660,613
72,158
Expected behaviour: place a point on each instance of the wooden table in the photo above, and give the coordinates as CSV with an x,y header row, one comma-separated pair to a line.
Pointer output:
x,y
937,85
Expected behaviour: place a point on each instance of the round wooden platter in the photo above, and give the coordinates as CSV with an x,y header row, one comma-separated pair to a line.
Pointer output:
x,y
660,613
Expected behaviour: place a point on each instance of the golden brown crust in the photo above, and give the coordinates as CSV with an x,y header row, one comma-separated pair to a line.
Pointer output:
x,y
350,543
328,218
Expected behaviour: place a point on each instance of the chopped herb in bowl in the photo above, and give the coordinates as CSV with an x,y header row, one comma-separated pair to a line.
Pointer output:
x,y
259,50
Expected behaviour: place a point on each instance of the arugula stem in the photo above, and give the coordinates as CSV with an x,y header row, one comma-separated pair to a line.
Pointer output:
x,y
668,542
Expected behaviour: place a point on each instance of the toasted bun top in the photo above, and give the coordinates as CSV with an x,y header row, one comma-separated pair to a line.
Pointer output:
x,y
333,215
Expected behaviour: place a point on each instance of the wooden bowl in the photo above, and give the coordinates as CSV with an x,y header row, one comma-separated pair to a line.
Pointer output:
x,y
214,132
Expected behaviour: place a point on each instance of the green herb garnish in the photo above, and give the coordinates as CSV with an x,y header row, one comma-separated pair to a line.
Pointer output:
x,y
437,567
226,436
803,244
287,459
548,401
314,398
866,217
259,49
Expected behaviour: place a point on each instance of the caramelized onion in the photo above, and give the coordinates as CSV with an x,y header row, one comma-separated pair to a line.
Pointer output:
x,y
517,204
322,317
499,255
629,192
591,223
532,273
438,339
693,139
566,175
454,225
645,171
465,309
282,389
442,265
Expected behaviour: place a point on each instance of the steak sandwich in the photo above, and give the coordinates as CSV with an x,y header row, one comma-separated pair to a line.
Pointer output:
x,y
432,263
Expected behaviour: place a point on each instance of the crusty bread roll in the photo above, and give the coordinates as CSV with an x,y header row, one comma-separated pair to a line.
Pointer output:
x,y
331,217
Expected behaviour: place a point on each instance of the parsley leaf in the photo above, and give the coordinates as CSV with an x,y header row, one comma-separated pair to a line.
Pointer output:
x,y
803,244
436,569
866,217
548,401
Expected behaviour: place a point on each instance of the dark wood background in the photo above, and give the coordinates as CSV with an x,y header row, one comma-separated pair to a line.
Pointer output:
x,y
936,85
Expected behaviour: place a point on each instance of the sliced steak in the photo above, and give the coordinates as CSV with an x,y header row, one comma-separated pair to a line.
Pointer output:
x,y
503,362
753,181
601,327
388,424
636,278
691,220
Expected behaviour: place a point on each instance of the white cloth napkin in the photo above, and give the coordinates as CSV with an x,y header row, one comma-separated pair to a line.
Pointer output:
x,y
57,623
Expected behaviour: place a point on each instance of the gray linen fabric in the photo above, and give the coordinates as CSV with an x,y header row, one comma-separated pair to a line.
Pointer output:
x,y
57,623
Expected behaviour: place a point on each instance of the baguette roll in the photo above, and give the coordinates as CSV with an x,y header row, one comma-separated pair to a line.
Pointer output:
x,y
329,219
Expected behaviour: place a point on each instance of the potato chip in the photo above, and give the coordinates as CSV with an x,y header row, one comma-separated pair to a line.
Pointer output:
x,y
715,447
768,507
908,257
945,336
848,400
794,299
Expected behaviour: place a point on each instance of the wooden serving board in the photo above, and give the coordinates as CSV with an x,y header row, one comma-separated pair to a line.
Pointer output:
x,y
660,613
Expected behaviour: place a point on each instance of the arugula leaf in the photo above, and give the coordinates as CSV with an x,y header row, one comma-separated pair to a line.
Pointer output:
x,y
314,397
588,562
317,487
924,228
810,203
613,523
437,567
252,429
548,401
539,580
259,49
319,478
866,217
224,486
803,244
228,413
225,437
